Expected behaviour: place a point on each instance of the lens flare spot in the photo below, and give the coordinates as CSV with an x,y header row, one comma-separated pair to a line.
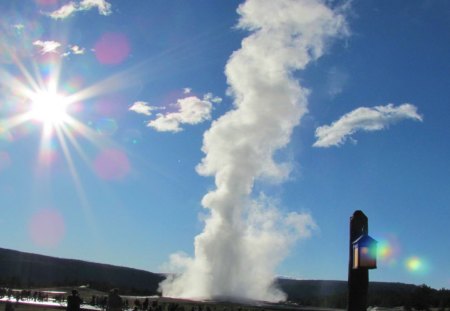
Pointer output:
x,y
73,85
416,265
5,135
48,154
47,228
112,164
132,136
109,106
106,126
388,250
46,2
112,48
5,160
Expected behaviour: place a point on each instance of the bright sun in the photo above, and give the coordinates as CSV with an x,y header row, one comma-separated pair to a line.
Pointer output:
x,y
49,108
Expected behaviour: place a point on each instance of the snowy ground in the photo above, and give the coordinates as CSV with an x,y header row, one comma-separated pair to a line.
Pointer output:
x,y
50,303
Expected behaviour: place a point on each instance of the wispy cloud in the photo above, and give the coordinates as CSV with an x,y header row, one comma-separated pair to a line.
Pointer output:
x,y
77,50
74,49
47,46
104,8
363,119
187,90
191,110
336,81
142,107
214,99
51,46
64,11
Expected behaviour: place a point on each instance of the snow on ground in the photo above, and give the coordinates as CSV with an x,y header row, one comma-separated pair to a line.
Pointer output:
x,y
49,303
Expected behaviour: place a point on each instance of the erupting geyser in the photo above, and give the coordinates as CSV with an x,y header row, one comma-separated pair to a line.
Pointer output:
x,y
245,238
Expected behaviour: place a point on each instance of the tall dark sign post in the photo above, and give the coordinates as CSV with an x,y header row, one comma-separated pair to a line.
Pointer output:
x,y
362,257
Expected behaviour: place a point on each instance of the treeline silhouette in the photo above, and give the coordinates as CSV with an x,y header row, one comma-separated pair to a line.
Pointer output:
x,y
19,269
25,270
333,294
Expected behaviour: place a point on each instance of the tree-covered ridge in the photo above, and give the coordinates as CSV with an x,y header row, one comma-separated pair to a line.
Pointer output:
x,y
25,270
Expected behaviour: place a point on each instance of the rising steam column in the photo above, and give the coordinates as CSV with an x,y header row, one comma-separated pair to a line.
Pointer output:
x,y
362,257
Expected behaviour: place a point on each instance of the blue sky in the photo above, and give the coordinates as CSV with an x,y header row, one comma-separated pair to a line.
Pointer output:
x,y
119,177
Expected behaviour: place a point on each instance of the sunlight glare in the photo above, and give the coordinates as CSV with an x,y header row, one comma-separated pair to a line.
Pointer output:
x,y
49,108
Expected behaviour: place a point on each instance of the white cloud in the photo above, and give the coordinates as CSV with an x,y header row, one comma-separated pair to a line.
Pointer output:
x,y
214,99
187,90
47,46
77,50
191,110
74,49
64,11
142,107
166,123
104,8
363,119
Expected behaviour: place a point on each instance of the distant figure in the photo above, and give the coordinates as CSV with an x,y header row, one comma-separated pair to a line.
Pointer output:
x,y
9,306
104,302
74,301
145,304
93,300
114,301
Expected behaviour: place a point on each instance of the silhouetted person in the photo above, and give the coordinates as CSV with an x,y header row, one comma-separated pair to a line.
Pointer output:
x,y
104,302
145,304
74,301
93,300
114,301
9,306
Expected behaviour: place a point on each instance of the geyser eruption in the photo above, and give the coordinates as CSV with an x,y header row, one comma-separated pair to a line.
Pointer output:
x,y
244,239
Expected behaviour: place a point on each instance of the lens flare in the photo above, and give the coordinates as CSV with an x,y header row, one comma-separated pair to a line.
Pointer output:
x,y
47,228
5,135
112,164
46,2
413,264
106,126
48,154
109,106
132,136
112,48
5,160
388,250
417,265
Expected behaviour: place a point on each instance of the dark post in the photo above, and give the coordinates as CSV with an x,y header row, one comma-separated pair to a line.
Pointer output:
x,y
358,279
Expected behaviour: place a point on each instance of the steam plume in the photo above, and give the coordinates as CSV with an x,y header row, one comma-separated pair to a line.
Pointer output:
x,y
245,239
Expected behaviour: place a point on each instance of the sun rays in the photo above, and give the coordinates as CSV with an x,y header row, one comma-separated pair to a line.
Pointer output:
x,y
37,101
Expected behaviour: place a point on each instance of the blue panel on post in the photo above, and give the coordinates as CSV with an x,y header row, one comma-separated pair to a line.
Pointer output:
x,y
364,253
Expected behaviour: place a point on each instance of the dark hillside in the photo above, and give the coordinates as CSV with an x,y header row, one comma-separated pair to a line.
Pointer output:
x,y
30,270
